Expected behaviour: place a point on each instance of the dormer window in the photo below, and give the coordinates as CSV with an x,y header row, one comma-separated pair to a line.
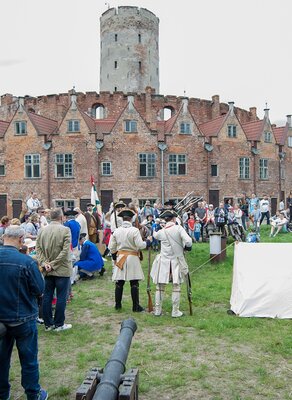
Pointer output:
x,y
20,128
289,141
268,137
73,125
231,131
130,126
185,127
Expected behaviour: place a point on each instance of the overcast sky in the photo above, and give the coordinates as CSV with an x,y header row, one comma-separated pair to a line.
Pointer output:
x,y
238,49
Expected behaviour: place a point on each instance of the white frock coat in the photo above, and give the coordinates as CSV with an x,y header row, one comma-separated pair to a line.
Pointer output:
x,y
171,259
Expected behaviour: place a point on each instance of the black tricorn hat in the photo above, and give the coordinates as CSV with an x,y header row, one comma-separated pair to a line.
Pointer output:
x,y
90,205
119,204
169,203
168,214
126,212
69,212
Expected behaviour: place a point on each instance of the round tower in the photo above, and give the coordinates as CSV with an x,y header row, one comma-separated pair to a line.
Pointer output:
x,y
129,50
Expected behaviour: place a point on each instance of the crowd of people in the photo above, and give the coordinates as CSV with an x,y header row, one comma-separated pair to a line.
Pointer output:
x,y
46,251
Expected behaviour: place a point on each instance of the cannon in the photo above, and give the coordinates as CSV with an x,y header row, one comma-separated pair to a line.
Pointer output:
x,y
112,383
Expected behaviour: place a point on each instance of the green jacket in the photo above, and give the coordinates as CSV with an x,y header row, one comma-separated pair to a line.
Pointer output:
x,y
53,247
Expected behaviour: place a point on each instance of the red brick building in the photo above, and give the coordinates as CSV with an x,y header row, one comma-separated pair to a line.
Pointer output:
x,y
53,144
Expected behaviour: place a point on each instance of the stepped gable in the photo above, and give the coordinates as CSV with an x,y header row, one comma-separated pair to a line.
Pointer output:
x,y
43,125
3,127
254,130
211,128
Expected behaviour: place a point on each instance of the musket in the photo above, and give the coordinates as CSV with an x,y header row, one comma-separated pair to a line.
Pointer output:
x,y
182,200
189,292
150,304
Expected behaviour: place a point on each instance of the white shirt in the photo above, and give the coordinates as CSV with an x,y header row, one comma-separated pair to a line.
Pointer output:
x,y
33,204
264,205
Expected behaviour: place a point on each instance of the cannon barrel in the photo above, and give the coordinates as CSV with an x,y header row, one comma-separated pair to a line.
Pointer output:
x,y
108,388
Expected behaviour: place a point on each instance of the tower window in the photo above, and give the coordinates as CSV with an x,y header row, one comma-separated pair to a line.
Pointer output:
x,y
140,66
116,64
116,88
116,37
139,37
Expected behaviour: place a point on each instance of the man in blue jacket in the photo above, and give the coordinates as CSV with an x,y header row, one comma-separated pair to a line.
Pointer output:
x,y
90,259
21,283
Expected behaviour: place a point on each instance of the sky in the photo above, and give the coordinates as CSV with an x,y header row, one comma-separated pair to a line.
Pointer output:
x,y
238,49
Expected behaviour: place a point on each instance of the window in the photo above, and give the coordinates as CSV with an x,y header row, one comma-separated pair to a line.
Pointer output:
x,y
64,166
65,203
116,64
214,170
130,126
139,37
20,127
282,171
116,37
73,125
268,137
106,168
289,141
147,164
244,168
177,164
140,66
232,131
264,172
32,167
2,170
185,127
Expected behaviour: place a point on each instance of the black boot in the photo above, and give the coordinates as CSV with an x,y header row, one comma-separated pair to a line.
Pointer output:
x,y
135,297
119,294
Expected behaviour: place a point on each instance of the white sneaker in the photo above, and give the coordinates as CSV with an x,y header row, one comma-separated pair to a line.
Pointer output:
x,y
104,259
63,328
177,314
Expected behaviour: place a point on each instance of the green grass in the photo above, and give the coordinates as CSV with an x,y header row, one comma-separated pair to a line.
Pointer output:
x,y
210,355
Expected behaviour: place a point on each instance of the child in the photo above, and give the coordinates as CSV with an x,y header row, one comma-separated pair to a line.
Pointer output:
x,y
197,230
191,226
256,217
253,236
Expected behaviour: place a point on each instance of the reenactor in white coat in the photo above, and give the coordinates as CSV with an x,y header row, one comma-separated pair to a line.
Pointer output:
x,y
170,265
115,220
125,245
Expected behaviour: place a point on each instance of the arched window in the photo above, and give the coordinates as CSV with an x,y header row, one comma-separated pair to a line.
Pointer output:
x,y
98,111
167,113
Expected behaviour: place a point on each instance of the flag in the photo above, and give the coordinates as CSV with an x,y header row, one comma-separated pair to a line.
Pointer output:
x,y
94,198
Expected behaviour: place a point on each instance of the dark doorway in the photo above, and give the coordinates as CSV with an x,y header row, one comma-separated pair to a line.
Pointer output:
x,y
274,208
214,197
106,198
16,208
3,204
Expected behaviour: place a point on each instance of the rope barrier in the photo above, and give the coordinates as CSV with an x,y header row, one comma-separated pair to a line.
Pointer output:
x,y
216,255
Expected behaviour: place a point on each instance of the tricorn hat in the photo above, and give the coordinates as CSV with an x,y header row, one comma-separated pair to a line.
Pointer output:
x,y
168,214
90,205
126,212
119,204
169,203
70,212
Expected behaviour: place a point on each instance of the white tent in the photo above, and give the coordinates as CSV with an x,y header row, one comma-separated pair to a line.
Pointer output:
x,y
262,280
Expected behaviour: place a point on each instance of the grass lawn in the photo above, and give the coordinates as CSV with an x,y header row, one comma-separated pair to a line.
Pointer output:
x,y
210,355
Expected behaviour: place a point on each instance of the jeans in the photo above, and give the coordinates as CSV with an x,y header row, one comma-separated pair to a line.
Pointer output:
x,y
26,338
61,284
267,215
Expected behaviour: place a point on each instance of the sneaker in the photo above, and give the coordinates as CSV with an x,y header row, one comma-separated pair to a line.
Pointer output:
x,y
102,271
63,328
49,328
43,395
104,259
177,314
40,321
138,309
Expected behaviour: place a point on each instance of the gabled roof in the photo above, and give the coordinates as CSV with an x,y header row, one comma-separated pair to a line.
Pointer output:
x,y
43,125
90,122
170,122
104,125
254,129
3,127
213,127
280,134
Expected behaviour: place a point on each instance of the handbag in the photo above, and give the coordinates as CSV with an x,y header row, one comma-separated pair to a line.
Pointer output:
x,y
3,330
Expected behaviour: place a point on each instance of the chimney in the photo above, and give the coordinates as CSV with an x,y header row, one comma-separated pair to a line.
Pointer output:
x,y
20,103
231,107
150,119
288,120
253,112
215,106
266,110
185,103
